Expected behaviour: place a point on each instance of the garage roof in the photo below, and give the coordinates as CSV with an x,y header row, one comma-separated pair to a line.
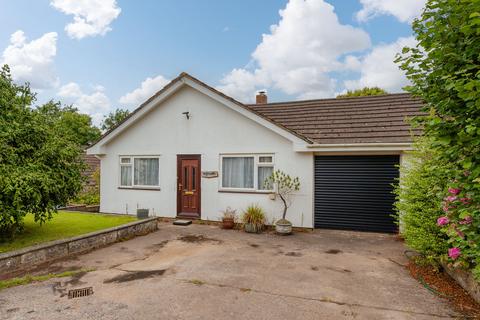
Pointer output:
x,y
374,119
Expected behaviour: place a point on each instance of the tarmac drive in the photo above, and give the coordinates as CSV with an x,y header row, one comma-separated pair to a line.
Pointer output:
x,y
203,272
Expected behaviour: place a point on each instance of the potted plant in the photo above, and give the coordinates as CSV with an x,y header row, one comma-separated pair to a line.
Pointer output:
x,y
283,185
253,219
228,218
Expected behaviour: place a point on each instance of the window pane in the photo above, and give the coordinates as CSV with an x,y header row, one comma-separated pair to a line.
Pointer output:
x,y
125,160
125,175
265,159
237,172
146,171
185,178
263,174
193,178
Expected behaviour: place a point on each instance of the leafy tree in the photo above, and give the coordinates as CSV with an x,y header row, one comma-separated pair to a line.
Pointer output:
x,y
367,91
68,122
284,186
444,70
114,118
39,168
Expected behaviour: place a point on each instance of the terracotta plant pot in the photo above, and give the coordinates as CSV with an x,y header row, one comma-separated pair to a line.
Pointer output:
x,y
228,223
253,227
283,227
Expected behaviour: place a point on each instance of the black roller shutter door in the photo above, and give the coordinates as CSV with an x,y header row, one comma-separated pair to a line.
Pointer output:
x,y
355,192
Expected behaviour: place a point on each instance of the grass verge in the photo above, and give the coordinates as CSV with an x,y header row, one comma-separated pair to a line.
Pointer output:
x,y
65,224
4,284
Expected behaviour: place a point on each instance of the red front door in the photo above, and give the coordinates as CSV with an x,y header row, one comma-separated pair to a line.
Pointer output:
x,y
188,186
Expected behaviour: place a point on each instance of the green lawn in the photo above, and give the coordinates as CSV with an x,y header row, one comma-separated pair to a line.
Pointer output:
x,y
65,224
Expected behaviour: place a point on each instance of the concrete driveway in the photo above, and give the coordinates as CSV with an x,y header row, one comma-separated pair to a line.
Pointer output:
x,y
203,272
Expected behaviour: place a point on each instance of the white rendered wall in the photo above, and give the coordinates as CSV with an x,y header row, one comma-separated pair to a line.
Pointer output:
x,y
213,129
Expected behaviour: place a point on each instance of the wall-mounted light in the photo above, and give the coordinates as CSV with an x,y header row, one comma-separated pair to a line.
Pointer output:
x,y
187,114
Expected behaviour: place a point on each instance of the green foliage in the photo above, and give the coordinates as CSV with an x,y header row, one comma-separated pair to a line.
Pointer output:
x,y
444,70
254,214
114,118
88,197
284,186
8,283
69,123
419,195
91,194
40,168
367,91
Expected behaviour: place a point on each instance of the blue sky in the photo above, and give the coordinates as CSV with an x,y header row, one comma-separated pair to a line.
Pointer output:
x,y
115,46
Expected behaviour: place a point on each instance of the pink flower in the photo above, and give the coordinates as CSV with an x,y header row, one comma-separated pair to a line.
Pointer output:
x,y
467,220
442,221
454,253
445,208
465,200
454,191
451,198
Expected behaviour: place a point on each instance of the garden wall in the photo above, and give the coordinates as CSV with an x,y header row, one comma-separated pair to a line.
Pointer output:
x,y
82,208
31,257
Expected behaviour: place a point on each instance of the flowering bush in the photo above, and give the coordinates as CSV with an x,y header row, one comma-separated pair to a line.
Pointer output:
x,y
462,225
444,71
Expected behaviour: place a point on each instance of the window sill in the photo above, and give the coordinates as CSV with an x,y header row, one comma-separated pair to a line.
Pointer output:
x,y
246,191
140,188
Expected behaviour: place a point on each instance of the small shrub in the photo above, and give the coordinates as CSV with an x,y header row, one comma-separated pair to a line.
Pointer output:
x,y
229,213
254,214
253,218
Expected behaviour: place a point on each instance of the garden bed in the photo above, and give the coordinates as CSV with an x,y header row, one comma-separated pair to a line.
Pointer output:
x,y
443,286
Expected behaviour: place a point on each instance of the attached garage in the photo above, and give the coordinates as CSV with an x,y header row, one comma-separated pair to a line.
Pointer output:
x,y
355,192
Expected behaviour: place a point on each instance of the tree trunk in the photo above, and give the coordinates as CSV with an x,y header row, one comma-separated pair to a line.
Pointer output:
x,y
284,206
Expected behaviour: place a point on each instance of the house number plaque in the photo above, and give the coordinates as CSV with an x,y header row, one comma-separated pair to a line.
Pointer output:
x,y
209,174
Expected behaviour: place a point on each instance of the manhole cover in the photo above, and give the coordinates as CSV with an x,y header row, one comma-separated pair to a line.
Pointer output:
x,y
78,293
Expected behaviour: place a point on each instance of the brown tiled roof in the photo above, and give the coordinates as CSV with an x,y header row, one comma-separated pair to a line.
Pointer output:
x,y
374,119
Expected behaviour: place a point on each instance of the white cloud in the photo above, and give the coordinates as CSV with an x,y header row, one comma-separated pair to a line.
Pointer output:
x,y
147,89
32,61
90,17
403,10
378,69
299,53
96,104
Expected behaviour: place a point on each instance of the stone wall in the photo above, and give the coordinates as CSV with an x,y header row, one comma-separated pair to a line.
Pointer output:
x,y
31,257
82,208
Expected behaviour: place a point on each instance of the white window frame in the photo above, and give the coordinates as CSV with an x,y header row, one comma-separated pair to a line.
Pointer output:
x,y
256,164
132,164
